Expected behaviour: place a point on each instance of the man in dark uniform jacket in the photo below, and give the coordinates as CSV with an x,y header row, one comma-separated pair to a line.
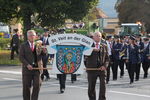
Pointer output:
x,y
14,43
141,48
97,60
45,56
132,56
146,57
116,48
30,56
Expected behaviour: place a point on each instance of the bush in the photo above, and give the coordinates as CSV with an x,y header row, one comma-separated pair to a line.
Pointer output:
x,y
4,43
78,31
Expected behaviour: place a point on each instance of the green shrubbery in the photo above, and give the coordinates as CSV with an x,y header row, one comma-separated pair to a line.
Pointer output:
x,y
79,31
4,43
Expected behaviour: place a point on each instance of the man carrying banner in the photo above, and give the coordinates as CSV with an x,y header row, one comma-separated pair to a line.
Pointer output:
x,y
31,58
96,66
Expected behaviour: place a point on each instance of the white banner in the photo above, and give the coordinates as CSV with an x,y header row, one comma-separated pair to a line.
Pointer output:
x,y
69,51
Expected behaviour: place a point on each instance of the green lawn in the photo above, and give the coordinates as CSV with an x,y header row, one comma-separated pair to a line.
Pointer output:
x,y
5,58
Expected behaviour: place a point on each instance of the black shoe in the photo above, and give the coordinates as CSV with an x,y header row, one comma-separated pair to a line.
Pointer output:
x,y
115,79
136,79
62,90
131,82
47,79
72,81
145,77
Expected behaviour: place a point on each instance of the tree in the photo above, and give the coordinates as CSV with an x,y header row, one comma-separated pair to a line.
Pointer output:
x,y
49,13
134,10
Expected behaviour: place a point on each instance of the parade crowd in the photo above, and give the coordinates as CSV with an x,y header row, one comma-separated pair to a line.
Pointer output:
x,y
111,53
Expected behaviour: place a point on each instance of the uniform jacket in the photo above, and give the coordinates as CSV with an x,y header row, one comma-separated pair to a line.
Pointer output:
x,y
115,50
133,54
47,42
146,53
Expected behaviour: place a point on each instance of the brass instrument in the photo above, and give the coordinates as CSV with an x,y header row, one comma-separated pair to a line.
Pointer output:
x,y
122,53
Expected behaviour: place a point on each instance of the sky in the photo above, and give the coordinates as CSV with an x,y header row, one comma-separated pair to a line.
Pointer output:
x,y
108,7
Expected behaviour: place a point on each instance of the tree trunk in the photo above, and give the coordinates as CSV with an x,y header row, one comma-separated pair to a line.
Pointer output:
x,y
26,24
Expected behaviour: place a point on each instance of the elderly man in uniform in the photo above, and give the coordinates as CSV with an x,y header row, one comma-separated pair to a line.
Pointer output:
x,y
31,58
96,65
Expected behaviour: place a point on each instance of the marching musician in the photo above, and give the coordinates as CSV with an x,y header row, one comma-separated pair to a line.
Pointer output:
x,y
98,60
45,56
31,57
141,48
132,56
109,45
122,55
116,47
146,57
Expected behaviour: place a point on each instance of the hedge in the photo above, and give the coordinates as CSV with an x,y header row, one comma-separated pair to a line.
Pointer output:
x,y
4,43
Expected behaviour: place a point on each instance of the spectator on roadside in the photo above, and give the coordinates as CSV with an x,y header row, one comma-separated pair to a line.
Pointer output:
x,y
15,42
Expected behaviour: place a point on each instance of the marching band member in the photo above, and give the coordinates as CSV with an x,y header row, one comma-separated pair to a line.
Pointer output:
x,y
45,56
141,47
98,60
122,55
116,47
146,57
132,58
109,45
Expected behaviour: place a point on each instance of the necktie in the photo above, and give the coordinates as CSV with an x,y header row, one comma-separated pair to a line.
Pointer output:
x,y
32,46
97,45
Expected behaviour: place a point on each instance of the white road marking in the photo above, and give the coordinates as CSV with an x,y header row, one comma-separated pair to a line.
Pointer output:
x,y
54,76
11,79
10,72
133,94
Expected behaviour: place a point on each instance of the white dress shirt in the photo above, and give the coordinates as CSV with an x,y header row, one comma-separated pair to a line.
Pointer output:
x,y
109,48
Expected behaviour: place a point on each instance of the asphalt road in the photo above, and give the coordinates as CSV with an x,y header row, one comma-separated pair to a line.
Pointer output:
x,y
11,87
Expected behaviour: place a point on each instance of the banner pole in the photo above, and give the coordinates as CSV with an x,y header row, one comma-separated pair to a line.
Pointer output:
x,y
42,68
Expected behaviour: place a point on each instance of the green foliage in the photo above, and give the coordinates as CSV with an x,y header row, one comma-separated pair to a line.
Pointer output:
x,y
49,13
4,43
8,10
131,11
79,31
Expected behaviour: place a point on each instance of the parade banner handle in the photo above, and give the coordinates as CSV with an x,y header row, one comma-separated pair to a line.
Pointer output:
x,y
42,68
92,69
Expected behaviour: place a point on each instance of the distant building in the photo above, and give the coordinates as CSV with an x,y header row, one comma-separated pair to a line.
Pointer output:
x,y
100,13
110,25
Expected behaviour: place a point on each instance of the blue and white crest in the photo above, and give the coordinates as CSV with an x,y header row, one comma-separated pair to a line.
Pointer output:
x,y
68,58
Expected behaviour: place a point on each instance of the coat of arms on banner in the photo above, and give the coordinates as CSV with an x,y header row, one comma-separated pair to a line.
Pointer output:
x,y
68,58
69,51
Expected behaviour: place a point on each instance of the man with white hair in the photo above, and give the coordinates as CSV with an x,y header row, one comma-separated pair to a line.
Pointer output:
x,y
96,65
30,59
